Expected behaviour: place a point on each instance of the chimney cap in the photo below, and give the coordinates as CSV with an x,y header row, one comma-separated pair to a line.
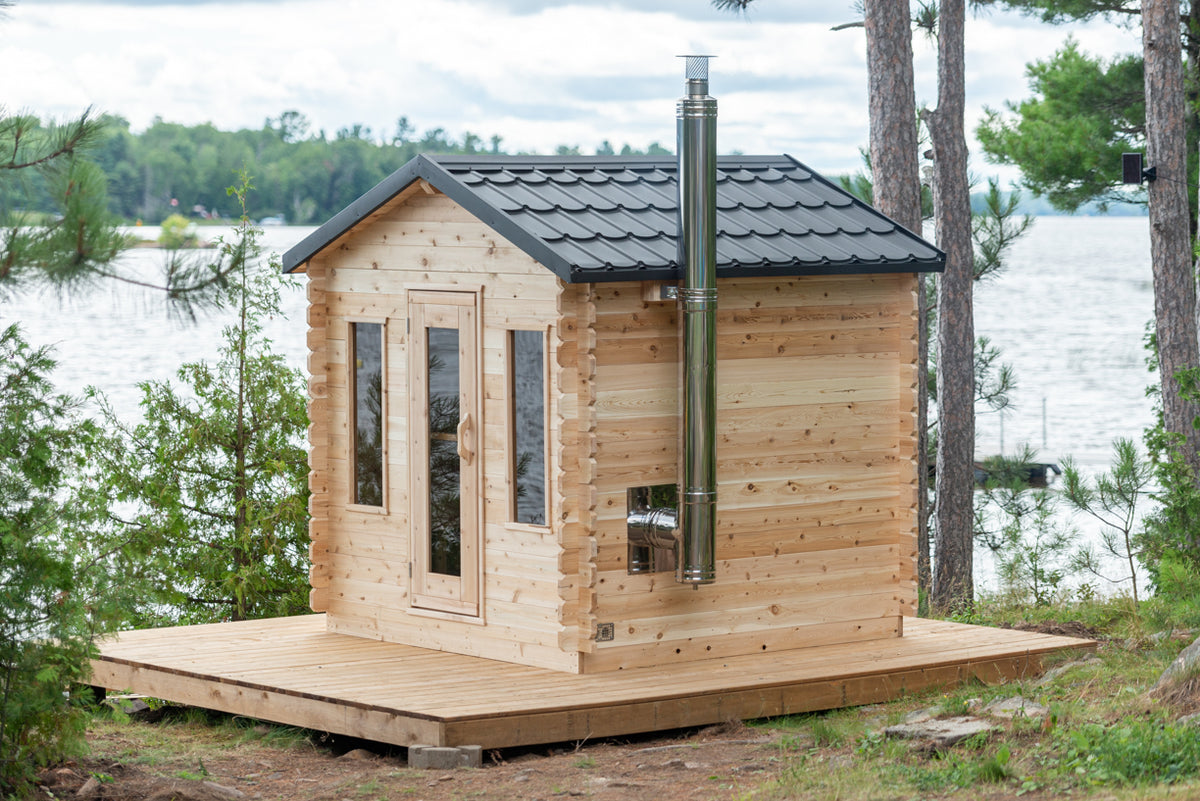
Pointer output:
x,y
696,67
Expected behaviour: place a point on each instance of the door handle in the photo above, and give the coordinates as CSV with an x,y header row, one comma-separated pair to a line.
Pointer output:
x,y
466,439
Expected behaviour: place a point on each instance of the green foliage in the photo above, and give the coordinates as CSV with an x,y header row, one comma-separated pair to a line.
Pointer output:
x,y
1068,139
1019,524
825,732
994,380
996,229
959,770
1057,11
177,232
1111,499
306,176
1176,603
56,227
41,169
55,587
1136,752
1172,533
216,473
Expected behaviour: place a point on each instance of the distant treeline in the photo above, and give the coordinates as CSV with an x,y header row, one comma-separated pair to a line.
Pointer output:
x,y
1041,207
301,176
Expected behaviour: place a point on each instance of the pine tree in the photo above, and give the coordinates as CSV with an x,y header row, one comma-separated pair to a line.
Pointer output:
x,y
77,245
55,588
217,471
897,193
953,581
1170,241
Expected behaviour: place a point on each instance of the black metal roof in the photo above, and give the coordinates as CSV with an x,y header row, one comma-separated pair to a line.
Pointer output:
x,y
612,218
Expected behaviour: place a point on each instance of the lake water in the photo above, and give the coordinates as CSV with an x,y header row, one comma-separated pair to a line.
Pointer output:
x,y
115,336
1069,314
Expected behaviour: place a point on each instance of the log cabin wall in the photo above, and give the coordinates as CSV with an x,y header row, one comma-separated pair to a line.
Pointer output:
x,y
816,412
816,475
423,241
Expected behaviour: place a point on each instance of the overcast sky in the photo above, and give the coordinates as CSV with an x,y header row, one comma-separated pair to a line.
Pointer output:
x,y
537,73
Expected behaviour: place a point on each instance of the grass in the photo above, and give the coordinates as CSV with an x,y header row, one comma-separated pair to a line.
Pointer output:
x,y
1104,734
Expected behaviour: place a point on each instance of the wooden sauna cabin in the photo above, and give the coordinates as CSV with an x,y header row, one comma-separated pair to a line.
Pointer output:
x,y
495,394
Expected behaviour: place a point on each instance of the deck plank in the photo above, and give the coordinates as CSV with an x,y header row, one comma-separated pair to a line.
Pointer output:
x,y
291,670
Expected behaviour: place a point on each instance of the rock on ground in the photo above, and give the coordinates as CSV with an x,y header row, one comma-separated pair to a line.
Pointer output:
x,y
1186,666
1015,707
943,732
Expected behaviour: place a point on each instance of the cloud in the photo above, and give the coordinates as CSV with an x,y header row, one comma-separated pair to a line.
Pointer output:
x,y
534,72
146,3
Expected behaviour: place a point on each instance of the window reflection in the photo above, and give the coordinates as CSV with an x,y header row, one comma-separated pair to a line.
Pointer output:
x,y
528,397
445,483
367,430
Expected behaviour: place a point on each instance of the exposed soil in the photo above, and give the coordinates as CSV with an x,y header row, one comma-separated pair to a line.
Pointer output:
x,y
715,763
1065,628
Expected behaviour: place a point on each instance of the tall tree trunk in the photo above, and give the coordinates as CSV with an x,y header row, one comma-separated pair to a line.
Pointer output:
x,y
897,186
241,527
953,583
893,112
1191,84
1170,243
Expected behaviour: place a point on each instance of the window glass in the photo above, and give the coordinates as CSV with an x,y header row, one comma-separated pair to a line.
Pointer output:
x,y
528,397
445,509
367,431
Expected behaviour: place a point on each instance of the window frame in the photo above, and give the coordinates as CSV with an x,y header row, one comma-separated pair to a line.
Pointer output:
x,y
435,594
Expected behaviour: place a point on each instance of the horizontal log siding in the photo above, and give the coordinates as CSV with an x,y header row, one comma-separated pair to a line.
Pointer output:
x,y
816,476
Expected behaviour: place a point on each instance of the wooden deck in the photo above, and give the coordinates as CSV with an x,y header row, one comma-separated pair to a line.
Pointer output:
x,y
290,670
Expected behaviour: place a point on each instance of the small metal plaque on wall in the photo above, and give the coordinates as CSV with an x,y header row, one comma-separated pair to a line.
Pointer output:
x,y
605,632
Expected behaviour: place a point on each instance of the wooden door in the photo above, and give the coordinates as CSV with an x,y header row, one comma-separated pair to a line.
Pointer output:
x,y
445,440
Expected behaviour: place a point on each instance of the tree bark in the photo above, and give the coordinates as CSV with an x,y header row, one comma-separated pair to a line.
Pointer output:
x,y
1170,241
893,112
1190,43
897,188
953,582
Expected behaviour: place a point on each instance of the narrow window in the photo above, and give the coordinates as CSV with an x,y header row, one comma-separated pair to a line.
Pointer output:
x,y
445,463
527,399
366,431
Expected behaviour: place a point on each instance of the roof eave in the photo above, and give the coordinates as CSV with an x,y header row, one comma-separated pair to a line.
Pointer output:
x,y
499,221
779,270
422,167
337,225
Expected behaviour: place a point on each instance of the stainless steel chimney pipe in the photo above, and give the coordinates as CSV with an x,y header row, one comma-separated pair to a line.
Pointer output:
x,y
696,125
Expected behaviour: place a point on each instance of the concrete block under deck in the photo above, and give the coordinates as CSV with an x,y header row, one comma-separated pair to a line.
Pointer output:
x,y
292,671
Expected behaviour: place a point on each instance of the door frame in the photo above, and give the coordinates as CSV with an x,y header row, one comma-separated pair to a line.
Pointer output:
x,y
462,594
